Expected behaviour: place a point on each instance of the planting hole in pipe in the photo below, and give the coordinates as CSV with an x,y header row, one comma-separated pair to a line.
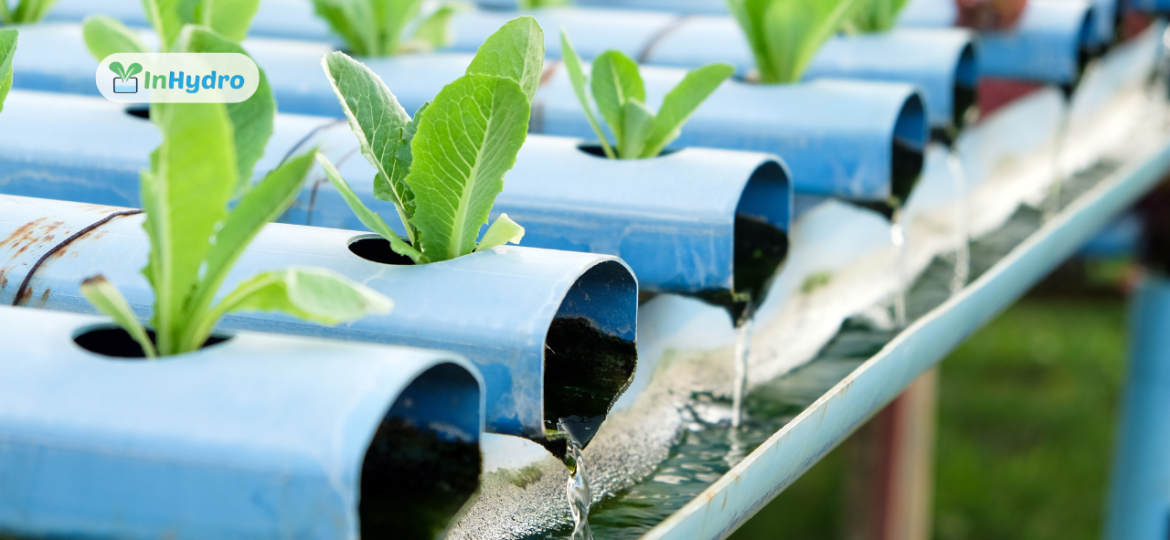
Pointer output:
x,y
423,462
139,111
115,342
590,353
596,150
374,248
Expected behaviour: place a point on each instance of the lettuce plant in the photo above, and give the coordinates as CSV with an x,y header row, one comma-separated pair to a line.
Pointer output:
x,y
252,119
231,19
26,11
539,4
195,240
784,35
620,95
444,167
378,27
875,16
7,51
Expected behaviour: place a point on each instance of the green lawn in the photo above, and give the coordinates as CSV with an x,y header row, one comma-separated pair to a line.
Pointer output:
x,y
1027,411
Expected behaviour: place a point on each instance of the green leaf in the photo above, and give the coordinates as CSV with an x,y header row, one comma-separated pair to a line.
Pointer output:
x,y
639,120
231,18
118,70
108,300
379,123
877,15
353,21
784,35
133,70
390,20
434,32
8,38
185,196
681,102
105,36
502,231
252,119
28,11
311,294
368,217
577,78
516,52
168,18
615,81
264,203
466,141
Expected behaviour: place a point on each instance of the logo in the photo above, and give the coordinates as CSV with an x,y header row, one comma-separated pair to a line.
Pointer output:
x,y
125,82
178,77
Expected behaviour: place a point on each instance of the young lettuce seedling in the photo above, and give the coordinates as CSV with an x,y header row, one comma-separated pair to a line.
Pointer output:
x,y
443,168
539,4
784,35
27,11
875,16
620,95
377,27
7,51
220,25
195,240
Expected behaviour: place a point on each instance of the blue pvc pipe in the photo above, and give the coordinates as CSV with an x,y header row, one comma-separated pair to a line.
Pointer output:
x,y
1050,43
495,307
837,138
673,219
936,61
1139,499
259,437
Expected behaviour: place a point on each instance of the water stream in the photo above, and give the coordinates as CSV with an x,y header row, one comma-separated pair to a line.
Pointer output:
x,y
577,491
962,225
743,351
898,238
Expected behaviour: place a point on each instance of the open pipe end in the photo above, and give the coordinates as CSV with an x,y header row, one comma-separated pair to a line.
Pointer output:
x,y
965,101
1089,48
908,153
422,466
590,352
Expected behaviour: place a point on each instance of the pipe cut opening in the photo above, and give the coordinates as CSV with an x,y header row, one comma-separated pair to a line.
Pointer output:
x,y
590,352
909,150
595,150
762,218
423,463
116,343
965,100
1088,49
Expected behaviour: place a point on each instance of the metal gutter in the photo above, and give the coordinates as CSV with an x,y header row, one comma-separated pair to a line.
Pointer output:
x,y
795,448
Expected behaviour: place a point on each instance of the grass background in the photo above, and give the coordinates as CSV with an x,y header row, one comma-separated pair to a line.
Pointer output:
x,y
1027,415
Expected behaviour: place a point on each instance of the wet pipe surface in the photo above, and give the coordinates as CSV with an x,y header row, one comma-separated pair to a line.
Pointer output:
x,y
709,449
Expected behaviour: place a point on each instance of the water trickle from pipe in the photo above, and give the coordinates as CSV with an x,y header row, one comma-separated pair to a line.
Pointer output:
x,y
1052,204
963,252
743,350
577,490
898,238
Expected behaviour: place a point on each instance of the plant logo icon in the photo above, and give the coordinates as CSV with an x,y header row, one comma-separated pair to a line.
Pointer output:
x,y
125,82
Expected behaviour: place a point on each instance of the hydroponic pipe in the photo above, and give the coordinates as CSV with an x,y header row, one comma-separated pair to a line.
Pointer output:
x,y
678,220
696,221
261,436
1052,42
942,63
859,141
856,140
551,331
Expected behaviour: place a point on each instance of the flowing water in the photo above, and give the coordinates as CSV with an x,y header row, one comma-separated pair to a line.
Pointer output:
x,y
963,252
1052,202
577,491
743,351
898,238
710,446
